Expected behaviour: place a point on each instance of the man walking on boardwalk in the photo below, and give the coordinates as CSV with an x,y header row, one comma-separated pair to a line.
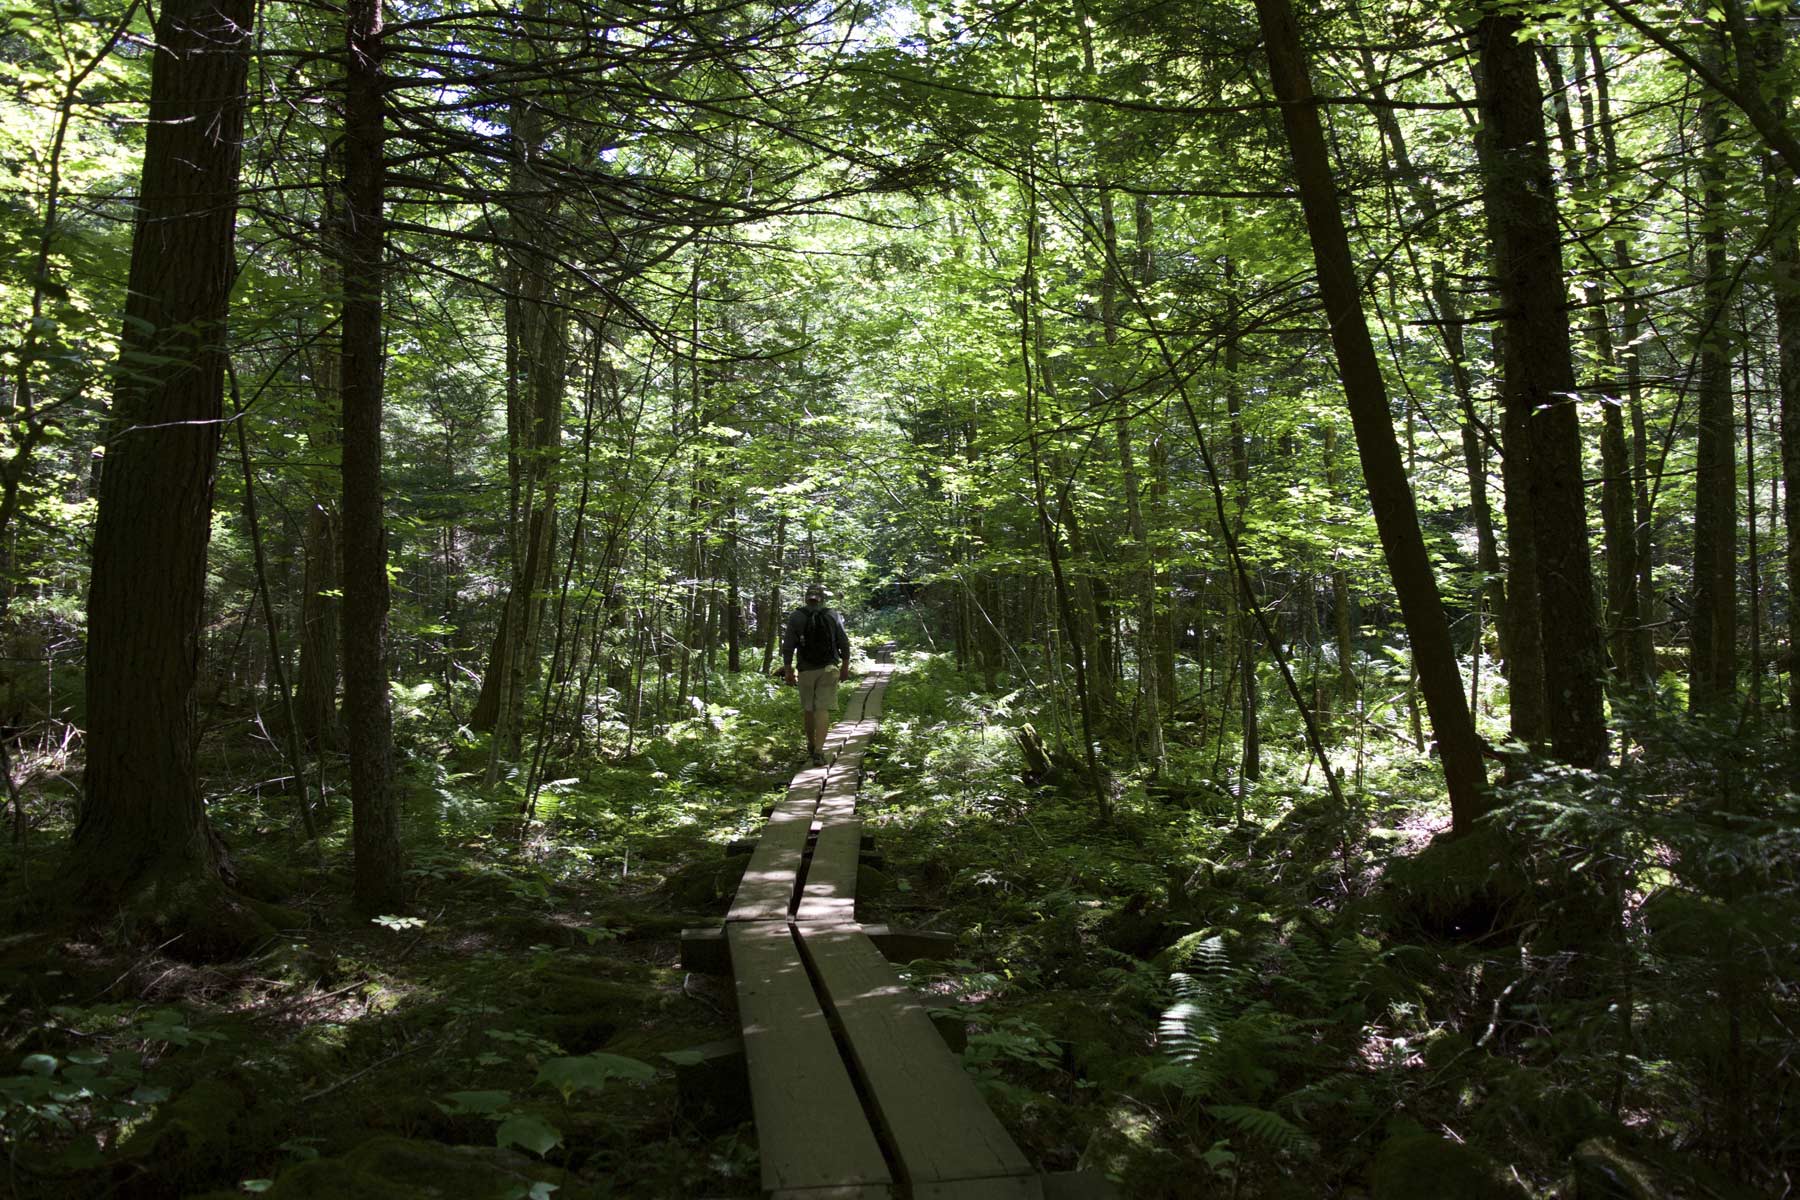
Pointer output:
x,y
815,636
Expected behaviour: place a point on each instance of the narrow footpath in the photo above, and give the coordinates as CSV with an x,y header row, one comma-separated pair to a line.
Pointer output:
x,y
854,1092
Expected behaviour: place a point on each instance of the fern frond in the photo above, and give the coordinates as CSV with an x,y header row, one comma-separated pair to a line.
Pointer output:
x,y
1193,1081
1202,953
1188,1029
1260,1125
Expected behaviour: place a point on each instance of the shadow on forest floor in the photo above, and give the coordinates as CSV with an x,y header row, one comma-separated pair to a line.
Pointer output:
x,y
439,1031
1280,1007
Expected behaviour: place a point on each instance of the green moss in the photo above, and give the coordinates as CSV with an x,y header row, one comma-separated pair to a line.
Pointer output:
x,y
581,1013
1462,888
391,1168
278,916
1096,1043
266,881
196,919
1421,1166
196,1139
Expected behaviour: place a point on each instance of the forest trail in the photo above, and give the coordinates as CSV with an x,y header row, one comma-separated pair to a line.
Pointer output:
x,y
854,1092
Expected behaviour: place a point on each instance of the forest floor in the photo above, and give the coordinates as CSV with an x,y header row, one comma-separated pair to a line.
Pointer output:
x,y
1190,1004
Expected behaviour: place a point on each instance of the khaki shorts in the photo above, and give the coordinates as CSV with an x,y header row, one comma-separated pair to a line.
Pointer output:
x,y
818,689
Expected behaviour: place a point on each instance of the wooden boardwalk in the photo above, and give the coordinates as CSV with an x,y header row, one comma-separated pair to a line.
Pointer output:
x,y
855,1094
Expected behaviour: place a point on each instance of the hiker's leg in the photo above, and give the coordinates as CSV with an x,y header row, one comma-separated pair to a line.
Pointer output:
x,y
825,700
809,707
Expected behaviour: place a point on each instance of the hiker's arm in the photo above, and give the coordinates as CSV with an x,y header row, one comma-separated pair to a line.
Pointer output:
x,y
789,638
843,639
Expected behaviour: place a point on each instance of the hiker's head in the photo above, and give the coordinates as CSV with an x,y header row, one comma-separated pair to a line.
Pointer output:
x,y
815,593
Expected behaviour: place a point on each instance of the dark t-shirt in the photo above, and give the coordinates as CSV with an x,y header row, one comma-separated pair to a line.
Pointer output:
x,y
796,627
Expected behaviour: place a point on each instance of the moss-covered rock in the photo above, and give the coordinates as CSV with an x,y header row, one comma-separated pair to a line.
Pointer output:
x,y
581,1013
1617,1168
298,963
532,929
1417,1165
872,883
705,886
1529,1106
1460,889
391,1168
196,920
23,970
195,1140
279,917
1140,927
1605,1172
267,881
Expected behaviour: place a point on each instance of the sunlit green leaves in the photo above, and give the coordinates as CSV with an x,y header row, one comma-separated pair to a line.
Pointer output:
x,y
591,1073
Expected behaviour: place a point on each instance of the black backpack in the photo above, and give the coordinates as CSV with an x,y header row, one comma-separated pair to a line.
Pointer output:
x,y
818,639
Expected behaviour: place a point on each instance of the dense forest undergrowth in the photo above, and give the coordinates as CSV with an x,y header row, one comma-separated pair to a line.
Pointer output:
x,y
1291,1000
1328,472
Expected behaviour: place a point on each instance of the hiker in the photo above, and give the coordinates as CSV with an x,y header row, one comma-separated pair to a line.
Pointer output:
x,y
815,636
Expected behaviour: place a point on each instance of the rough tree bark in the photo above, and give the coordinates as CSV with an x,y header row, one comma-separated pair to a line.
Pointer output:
x,y
141,820
1539,396
315,692
1242,602
1784,260
1712,621
375,835
1631,316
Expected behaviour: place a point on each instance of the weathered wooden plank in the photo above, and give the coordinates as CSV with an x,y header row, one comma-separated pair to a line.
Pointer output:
x,y
766,892
836,804
934,1118
703,950
810,1127
837,1193
808,781
853,711
830,891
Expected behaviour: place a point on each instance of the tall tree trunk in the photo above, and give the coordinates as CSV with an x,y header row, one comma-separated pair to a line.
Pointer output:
x,y
1712,676
1539,395
1343,620
1243,602
316,691
1143,567
1390,493
538,363
141,817
1162,646
375,836
1448,313
1031,349
1783,202
771,620
1620,539
734,598
1643,648
1784,216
